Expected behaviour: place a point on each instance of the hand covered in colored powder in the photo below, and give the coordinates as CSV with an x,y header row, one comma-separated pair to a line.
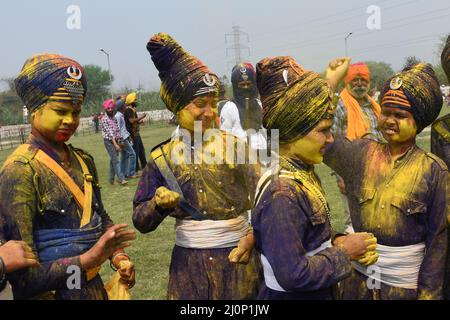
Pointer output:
x,y
166,198
242,253
126,271
359,246
370,257
17,255
336,71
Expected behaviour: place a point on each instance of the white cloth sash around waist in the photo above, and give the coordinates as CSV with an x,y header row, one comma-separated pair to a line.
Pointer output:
x,y
396,266
210,234
269,276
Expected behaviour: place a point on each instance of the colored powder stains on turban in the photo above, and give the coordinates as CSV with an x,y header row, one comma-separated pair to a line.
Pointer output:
x,y
52,77
419,88
358,69
294,100
183,77
131,98
445,58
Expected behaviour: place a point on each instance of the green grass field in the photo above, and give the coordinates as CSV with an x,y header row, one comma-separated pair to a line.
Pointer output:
x,y
151,252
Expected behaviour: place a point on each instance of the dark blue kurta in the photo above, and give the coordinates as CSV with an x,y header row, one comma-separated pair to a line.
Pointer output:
x,y
288,222
402,202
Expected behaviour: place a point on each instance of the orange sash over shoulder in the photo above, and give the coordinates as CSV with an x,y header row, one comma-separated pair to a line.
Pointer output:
x,y
357,126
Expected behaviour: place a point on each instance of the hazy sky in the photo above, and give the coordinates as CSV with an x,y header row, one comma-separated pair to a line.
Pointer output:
x,y
312,32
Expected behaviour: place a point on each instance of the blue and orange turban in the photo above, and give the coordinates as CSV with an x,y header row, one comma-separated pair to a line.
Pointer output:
x,y
50,77
294,100
183,77
415,89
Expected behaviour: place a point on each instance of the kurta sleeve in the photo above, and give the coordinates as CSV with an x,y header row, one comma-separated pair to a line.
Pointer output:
x,y
431,274
342,155
147,215
281,231
18,199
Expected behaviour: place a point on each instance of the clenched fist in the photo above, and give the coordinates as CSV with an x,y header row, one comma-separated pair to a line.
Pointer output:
x,y
359,246
241,254
166,198
336,71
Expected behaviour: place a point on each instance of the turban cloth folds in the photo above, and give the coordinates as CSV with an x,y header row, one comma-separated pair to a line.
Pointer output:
x,y
183,76
131,98
445,58
108,104
50,77
294,100
415,89
357,69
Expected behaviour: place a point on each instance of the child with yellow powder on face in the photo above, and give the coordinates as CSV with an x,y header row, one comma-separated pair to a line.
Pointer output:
x,y
209,199
290,219
398,192
51,198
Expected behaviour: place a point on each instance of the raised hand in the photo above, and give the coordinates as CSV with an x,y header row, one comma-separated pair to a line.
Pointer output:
x,y
336,71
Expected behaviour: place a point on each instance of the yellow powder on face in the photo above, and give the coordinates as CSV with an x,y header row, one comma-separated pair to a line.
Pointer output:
x,y
49,119
310,147
407,131
186,119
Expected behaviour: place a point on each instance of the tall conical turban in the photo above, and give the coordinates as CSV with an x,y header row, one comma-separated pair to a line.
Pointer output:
x,y
183,77
294,100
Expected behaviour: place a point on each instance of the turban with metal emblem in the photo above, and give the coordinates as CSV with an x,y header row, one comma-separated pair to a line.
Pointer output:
x,y
294,100
183,76
415,89
50,77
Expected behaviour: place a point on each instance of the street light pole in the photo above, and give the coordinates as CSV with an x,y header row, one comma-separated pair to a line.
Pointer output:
x,y
346,48
109,71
